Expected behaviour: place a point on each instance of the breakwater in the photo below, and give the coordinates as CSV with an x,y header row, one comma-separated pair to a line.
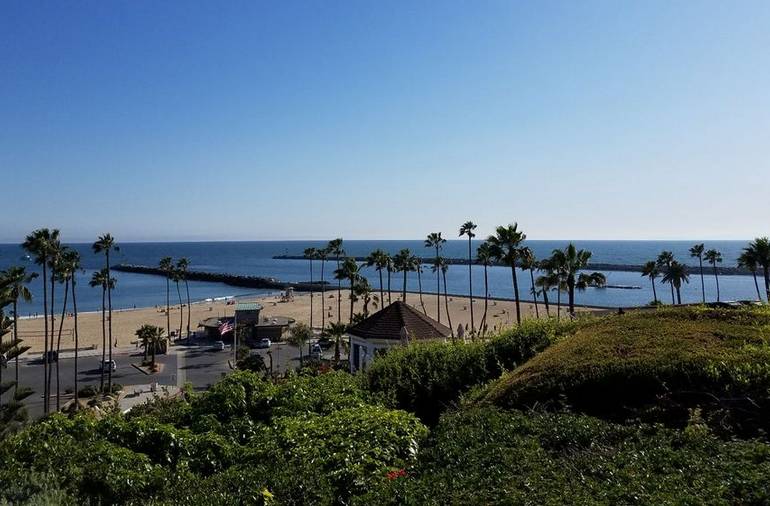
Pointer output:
x,y
228,279
707,270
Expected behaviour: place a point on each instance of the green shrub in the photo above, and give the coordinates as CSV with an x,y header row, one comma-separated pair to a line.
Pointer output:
x,y
656,365
489,456
427,378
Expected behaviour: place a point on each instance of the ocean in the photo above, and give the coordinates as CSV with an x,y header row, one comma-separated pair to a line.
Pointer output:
x,y
255,258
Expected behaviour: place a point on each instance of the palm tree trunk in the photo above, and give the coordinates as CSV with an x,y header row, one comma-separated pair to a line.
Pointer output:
x,y
545,300
351,300
678,296
702,283
337,349
168,303
77,338
187,289
15,338
673,301
109,321
339,294
45,338
419,286
571,295
104,338
716,277
403,296
311,293
58,342
756,285
534,291
438,288
486,302
53,329
446,304
558,303
389,272
654,293
516,294
323,296
181,309
470,280
382,290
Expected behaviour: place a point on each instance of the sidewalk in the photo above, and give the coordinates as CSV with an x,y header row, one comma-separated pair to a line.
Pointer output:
x,y
134,395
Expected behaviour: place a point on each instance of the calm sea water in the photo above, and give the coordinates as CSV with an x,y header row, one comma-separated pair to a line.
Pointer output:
x,y
255,258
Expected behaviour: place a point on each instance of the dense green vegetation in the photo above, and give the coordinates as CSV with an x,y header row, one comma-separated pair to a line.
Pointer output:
x,y
657,365
428,378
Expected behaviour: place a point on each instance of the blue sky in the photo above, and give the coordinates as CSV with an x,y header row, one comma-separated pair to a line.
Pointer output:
x,y
291,120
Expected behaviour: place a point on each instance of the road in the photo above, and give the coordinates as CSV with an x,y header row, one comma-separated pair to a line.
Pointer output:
x,y
198,364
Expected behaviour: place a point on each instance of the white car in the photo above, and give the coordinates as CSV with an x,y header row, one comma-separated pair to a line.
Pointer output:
x,y
219,345
109,365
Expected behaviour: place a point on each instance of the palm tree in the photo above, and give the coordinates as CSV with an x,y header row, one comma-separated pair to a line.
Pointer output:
x,y
379,260
17,281
54,264
389,269
39,244
64,270
714,257
675,275
335,248
105,244
311,254
529,263
545,283
73,259
176,277
747,260
349,270
760,248
467,228
651,270
336,330
402,262
441,267
697,252
362,290
323,254
182,265
664,262
152,339
417,261
505,248
166,266
434,240
484,257
569,262
101,278
300,335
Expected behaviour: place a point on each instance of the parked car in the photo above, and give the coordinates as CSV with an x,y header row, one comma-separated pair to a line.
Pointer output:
x,y
108,365
219,345
53,356
264,343
315,351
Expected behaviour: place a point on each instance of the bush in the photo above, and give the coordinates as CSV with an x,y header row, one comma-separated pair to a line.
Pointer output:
x,y
427,378
489,456
656,365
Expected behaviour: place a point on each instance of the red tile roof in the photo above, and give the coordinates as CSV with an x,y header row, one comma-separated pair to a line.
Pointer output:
x,y
387,324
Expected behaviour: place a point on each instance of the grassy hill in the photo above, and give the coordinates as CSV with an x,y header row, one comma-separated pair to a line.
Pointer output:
x,y
665,365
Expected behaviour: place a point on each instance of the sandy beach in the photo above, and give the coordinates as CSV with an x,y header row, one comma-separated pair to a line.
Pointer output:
x,y
126,322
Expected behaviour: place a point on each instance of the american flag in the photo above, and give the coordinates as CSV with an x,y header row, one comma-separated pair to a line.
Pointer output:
x,y
225,327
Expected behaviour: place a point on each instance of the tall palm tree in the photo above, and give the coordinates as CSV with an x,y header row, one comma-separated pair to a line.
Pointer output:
x,y
467,228
697,252
101,278
323,254
64,270
362,290
651,270
529,263
39,244
434,240
442,266
176,277
166,266
379,260
182,266
402,262
505,248
18,279
664,262
73,259
106,244
389,270
311,254
349,270
569,262
545,283
760,248
675,275
484,257
714,257
747,260
335,248
417,262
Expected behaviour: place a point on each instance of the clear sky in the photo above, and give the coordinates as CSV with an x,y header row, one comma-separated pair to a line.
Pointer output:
x,y
381,119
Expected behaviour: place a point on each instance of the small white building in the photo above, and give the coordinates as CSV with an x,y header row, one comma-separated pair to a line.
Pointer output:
x,y
395,325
